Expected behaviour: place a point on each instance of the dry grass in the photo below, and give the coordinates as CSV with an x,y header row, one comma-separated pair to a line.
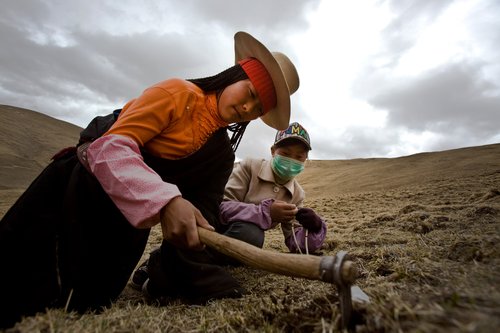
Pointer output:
x,y
425,239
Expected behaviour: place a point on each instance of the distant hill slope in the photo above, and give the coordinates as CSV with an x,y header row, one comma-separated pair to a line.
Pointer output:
x,y
28,140
373,174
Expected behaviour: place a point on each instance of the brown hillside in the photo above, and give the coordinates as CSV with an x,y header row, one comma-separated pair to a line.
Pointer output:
x,y
28,140
423,230
373,174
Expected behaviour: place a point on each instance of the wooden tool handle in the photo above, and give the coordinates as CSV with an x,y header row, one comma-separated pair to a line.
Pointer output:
x,y
296,265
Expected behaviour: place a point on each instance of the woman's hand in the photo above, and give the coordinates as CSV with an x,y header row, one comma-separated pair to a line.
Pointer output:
x,y
179,222
282,211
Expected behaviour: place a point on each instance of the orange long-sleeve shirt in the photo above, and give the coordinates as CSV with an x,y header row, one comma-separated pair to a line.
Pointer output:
x,y
171,119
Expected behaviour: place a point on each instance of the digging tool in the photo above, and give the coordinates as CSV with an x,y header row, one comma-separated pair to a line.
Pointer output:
x,y
332,269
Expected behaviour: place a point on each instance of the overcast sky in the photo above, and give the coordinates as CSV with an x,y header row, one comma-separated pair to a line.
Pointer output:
x,y
378,78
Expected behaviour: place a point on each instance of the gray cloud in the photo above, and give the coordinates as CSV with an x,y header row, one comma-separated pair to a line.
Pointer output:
x,y
447,97
62,55
457,102
76,59
353,143
410,17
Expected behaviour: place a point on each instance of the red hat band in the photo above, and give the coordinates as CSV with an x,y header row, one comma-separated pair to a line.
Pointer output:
x,y
262,82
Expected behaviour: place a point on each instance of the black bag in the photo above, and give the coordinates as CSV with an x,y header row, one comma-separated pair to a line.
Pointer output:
x,y
98,126
95,129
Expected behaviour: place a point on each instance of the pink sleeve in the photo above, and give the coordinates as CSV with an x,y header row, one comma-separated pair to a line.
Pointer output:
x,y
136,189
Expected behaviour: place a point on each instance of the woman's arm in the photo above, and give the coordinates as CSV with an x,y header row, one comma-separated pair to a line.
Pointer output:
x,y
137,191
259,214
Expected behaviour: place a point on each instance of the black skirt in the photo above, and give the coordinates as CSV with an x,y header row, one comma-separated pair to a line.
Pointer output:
x,y
65,243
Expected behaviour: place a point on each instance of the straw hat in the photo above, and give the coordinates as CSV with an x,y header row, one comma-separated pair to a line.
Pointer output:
x,y
280,68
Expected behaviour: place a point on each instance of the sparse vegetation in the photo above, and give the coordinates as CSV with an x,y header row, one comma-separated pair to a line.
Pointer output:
x,y
427,248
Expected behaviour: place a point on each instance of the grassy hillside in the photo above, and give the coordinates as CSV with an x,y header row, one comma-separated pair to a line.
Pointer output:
x,y
28,140
424,231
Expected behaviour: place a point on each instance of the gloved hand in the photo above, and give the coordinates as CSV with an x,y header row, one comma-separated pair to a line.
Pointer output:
x,y
309,219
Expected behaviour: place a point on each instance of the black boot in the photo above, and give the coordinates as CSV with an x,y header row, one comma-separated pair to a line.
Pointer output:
x,y
140,276
161,279
189,274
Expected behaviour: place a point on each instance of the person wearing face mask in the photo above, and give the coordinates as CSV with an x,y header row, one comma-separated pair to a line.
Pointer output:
x,y
261,194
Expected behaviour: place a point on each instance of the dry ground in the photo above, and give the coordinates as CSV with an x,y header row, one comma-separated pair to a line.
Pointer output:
x,y
423,230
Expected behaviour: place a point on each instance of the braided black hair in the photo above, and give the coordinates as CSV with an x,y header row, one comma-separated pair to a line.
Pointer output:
x,y
217,83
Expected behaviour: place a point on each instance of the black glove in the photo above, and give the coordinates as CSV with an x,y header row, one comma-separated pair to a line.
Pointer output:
x,y
309,219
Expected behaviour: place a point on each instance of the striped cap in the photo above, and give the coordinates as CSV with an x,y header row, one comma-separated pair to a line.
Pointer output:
x,y
294,132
